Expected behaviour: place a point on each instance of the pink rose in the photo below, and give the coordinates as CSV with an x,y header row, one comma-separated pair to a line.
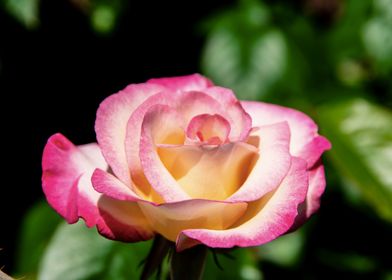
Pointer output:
x,y
185,159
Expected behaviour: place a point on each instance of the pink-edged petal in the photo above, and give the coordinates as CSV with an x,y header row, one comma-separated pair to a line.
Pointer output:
x,y
123,221
312,151
111,124
272,165
209,172
66,177
263,221
66,181
316,189
303,129
161,123
110,186
241,121
210,129
183,83
172,218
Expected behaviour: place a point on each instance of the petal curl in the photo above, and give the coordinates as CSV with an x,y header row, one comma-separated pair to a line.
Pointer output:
x,y
111,124
160,124
264,220
107,184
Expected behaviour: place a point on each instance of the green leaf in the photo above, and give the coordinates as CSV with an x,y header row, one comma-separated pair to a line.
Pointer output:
x,y
37,228
25,11
76,252
361,136
240,263
244,52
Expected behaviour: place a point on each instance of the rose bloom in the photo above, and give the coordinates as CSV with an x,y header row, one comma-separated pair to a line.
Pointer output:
x,y
185,159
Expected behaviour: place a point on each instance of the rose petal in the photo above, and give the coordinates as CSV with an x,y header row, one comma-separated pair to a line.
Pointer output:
x,y
312,151
241,123
303,129
210,129
123,221
209,172
109,185
189,104
65,179
183,83
171,218
66,182
161,123
264,220
312,203
272,165
111,123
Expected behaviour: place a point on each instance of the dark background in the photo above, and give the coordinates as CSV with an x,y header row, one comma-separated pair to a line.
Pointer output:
x,y
53,79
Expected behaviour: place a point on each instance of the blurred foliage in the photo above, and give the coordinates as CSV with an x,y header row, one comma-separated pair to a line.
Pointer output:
x,y
329,58
361,134
103,14
25,11
244,51
76,252
35,238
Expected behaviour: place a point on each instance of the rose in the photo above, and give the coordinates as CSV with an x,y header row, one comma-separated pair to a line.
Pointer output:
x,y
185,159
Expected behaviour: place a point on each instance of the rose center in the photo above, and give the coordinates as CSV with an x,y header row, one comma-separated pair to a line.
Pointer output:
x,y
208,129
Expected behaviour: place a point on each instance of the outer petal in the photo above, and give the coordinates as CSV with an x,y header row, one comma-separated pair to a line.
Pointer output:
x,y
66,181
313,150
312,202
264,220
272,165
183,83
303,129
66,178
111,124
171,218
123,221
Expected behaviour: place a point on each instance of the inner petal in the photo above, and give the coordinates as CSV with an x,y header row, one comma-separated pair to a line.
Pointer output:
x,y
210,129
209,172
